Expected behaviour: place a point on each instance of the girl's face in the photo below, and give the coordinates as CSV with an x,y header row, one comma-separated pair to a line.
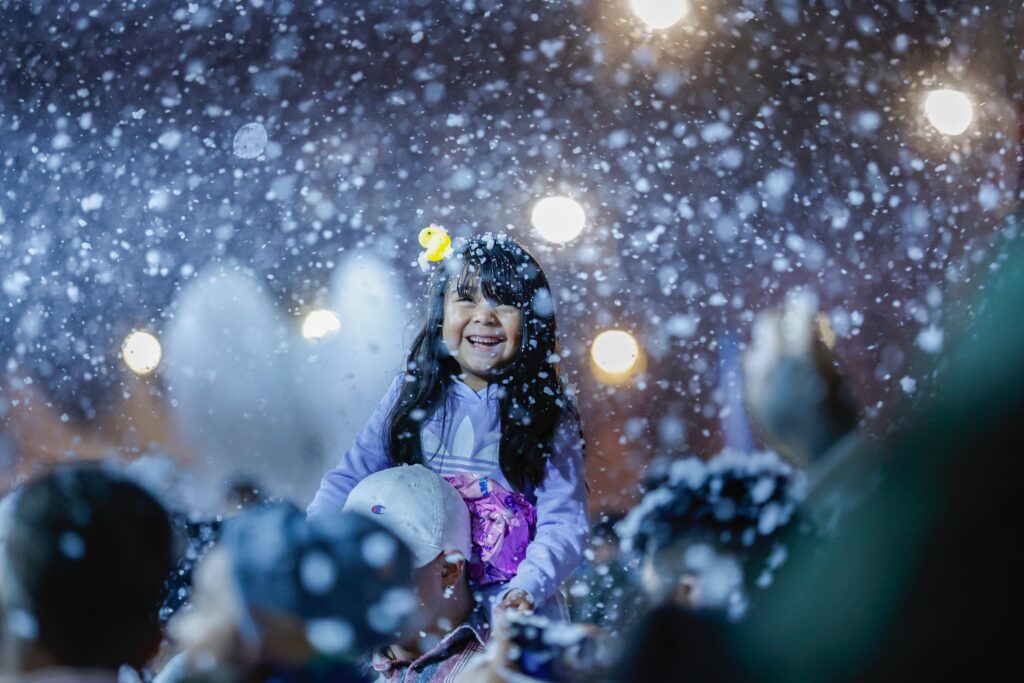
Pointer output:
x,y
482,336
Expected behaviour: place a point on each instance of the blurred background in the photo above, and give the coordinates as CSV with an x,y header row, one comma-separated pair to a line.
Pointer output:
x,y
209,210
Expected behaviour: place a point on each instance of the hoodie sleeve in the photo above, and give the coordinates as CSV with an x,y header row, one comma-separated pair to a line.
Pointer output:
x,y
563,527
366,456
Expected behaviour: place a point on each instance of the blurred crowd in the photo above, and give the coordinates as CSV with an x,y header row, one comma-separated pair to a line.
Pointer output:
x,y
829,555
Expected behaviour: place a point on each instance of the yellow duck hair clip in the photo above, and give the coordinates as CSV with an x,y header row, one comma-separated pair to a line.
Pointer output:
x,y
436,243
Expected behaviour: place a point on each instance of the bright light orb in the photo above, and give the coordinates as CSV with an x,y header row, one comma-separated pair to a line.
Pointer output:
x,y
320,325
141,352
660,13
950,111
558,219
615,352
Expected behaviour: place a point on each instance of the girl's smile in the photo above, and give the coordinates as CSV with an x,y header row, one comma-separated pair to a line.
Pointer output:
x,y
481,335
484,341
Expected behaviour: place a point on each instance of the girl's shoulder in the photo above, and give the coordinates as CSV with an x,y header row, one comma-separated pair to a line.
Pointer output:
x,y
394,391
395,386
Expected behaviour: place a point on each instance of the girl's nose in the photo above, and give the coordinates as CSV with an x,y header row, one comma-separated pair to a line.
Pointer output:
x,y
484,313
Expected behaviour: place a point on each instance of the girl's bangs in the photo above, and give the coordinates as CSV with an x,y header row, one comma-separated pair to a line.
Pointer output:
x,y
495,275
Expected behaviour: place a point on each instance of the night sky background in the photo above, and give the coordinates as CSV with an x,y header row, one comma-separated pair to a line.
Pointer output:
x,y
755,147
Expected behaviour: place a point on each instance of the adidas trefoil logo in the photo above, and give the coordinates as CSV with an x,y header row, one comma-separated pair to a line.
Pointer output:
x,y
463,444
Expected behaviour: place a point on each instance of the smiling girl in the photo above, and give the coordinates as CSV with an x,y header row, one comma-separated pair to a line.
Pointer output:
x,y
482,403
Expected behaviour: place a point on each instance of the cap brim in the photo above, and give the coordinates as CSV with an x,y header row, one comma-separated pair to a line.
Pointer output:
x,y
422,553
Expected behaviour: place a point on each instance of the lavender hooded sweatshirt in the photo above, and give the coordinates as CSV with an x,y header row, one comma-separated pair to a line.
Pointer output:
x,y
468,441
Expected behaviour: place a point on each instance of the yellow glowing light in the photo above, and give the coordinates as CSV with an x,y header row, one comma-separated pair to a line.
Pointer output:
x,y
558,219
320,325
615,352
950,111
660,13
141,352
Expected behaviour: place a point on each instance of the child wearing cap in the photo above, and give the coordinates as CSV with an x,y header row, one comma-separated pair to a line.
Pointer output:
x,y
448,627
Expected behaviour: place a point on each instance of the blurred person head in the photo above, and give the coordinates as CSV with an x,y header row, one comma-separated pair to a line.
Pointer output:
x,y
83,571
431,517
280,590
707,534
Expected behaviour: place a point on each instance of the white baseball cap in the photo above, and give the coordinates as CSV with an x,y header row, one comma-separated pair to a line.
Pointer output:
x,y
419,507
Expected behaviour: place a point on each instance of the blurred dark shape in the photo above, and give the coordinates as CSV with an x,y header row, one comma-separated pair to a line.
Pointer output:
x,y
243,493
86,561
193,533
275,551
604,591
285,599
799,401
193,537
923,577
672,643
550,650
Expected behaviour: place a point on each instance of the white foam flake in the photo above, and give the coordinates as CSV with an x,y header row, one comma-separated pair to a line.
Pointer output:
x,y
330,636
250,141
717,131
379,549
92,202
394,606
158,200
778,183
169,139
930,339
989,196
317,572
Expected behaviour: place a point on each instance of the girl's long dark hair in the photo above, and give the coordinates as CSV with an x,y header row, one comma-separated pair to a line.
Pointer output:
x,y
532,399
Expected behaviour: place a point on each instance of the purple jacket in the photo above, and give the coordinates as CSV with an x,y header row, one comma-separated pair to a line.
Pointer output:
x,y
468,441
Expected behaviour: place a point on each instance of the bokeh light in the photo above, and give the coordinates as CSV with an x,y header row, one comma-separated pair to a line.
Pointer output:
x,y
141,352
558,219
660,13
950,111
615,352
320,324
